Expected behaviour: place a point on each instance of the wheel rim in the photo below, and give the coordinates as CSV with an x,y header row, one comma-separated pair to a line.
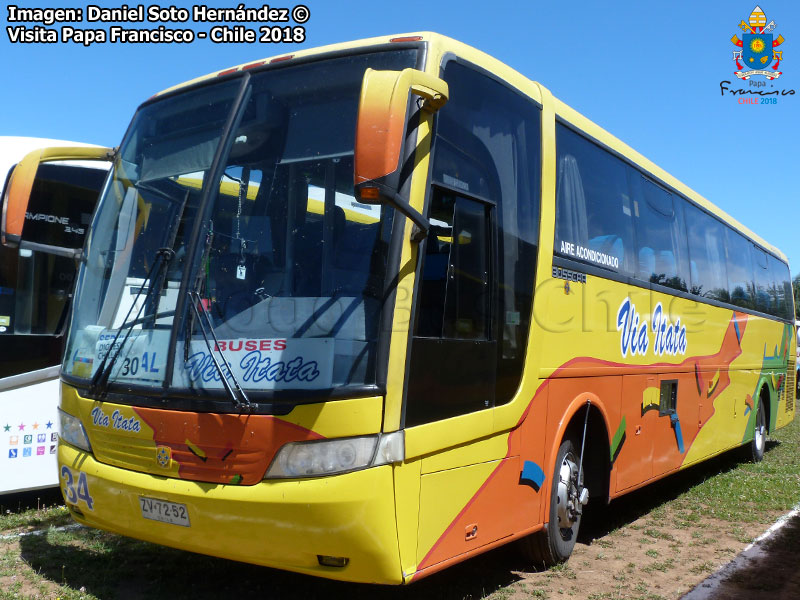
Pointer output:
x,y
567,494
760,433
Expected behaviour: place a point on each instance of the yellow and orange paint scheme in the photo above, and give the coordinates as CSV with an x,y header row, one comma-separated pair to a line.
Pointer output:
x,y
462,487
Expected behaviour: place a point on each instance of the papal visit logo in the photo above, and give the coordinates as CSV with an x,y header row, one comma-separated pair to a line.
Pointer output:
x,y
757,48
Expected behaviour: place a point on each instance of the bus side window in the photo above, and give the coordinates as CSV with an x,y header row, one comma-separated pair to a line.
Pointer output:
x,y
707,254
740,270
662,246
594,211
781,286
763,282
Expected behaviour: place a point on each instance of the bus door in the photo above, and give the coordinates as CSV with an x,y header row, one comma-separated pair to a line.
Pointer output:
x,y
472,317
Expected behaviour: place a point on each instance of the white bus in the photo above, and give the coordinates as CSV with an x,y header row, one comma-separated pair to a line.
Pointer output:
x,y
37,271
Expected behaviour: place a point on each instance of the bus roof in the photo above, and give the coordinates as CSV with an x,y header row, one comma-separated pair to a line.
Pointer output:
x,y
440,45
14,148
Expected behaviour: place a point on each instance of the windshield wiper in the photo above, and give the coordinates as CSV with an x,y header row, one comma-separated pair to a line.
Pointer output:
x,y
100,378
238,395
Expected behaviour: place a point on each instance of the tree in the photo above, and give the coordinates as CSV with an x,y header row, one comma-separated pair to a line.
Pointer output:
x,y
796,290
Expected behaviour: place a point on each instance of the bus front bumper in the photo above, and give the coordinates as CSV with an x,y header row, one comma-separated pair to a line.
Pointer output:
x,y
284,524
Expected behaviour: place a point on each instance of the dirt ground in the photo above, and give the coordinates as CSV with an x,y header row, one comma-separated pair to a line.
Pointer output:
x,y
771,575
656,555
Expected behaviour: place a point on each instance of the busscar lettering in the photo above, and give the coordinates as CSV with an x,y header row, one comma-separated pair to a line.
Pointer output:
x,y
575,276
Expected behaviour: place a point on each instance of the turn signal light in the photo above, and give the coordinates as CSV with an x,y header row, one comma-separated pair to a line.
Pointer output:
x,y
370,193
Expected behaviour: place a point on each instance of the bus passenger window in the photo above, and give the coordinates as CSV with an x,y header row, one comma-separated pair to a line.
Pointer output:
x,y
660,233
740,269
707,254
594,212
782,286
763,283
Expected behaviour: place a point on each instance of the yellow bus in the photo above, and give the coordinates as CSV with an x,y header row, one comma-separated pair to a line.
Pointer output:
x,y
368,310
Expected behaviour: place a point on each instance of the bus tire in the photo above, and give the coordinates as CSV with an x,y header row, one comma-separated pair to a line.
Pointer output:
x,y
759,441
553,544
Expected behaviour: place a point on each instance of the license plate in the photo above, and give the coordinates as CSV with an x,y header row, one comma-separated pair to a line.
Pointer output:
x,y
166,512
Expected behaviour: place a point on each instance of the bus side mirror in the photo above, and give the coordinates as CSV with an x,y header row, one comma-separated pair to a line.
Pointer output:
x,y
20,185
381,130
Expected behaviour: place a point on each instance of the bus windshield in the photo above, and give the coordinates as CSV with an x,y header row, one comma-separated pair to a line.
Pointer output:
x,y
238,250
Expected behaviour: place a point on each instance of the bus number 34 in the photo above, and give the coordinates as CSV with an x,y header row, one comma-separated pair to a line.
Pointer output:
x,y
73,494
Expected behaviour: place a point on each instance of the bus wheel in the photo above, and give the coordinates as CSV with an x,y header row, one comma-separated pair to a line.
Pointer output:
x,y
760,433
555,542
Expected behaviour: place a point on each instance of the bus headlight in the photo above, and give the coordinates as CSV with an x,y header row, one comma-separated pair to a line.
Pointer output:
x,y
72,431
329,457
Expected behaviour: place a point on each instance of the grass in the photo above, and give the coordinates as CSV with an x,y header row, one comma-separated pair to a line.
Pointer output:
x,y
663,566
33,518
726,494
702,568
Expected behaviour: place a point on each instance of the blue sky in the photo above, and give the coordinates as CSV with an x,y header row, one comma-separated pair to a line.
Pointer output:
x,y
648,72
